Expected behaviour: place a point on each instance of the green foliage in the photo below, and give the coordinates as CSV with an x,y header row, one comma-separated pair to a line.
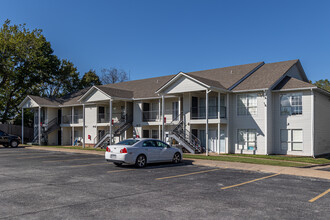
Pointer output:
x,y
324,84
90,79
25,60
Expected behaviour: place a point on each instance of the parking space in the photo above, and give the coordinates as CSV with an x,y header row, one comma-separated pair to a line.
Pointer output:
x,y
44,184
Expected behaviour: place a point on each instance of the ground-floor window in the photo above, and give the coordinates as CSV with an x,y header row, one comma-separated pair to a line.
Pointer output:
x,y
145,134
154,134
292,139
247,139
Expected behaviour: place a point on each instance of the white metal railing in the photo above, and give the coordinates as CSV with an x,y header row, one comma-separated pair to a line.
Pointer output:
x,y
77,119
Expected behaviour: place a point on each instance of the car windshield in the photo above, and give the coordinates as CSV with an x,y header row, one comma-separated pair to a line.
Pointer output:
x,y
127,142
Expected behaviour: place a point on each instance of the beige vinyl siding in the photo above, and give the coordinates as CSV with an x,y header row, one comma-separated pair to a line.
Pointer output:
x,y
293,122
256,122
321,123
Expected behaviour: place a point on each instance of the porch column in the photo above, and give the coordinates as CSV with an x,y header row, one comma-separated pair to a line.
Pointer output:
x,y
125,134
163,115
228,121
72,136
159,114
110,120
179,108
219,116
207,122
72,122
22,125
84,125
39,125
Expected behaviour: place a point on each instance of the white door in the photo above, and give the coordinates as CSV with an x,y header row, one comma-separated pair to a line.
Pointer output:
x,y
213,141
222,141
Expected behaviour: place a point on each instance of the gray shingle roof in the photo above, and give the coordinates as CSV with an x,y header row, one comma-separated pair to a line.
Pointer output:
x,y
292,83
143,88
226,76
265,76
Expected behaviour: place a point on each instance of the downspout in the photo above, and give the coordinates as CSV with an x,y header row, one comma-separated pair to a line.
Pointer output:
x,y
312,123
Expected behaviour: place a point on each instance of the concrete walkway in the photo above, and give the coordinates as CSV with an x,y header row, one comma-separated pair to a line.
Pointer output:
x,y
306,172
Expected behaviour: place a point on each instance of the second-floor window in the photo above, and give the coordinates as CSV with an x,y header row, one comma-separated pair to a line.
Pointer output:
x,y
247,104
291,104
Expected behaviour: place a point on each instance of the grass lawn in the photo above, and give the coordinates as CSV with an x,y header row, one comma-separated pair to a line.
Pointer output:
x,y
287,158
245,160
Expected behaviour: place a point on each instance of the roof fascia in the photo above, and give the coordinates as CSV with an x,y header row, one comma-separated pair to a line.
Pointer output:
x,y
246,76
250,90
27,97
295,89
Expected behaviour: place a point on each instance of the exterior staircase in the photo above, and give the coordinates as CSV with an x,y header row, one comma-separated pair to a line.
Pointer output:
x,y
189,141
119,129
46,129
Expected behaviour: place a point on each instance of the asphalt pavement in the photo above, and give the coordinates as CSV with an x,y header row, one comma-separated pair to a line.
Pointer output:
x,y
36,184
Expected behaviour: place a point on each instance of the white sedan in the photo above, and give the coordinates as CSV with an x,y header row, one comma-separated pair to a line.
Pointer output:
x,y
141,151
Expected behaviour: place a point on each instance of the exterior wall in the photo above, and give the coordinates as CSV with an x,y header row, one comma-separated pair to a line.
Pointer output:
x,y
183,84
52,138
90,122
294,72
256,122
66,136
293,122
52,113
321,124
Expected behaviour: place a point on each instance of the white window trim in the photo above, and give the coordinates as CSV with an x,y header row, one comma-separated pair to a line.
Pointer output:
x,y
246,112
290,142
291,94
245,147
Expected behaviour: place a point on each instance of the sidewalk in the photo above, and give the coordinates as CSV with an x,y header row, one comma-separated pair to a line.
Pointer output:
x,y
305,172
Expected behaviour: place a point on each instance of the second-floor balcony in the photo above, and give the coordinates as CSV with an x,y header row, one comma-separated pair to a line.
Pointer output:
x,y
76,119
116,117
200,112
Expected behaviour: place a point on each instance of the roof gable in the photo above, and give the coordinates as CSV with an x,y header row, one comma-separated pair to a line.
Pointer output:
x,y
288,83
266,76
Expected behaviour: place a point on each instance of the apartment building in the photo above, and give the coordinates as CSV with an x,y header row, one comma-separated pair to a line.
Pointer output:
x,y
255,108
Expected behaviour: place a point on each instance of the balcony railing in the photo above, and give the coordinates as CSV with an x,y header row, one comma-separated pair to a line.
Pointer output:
x,y
150,116
77,119
200,112
116,117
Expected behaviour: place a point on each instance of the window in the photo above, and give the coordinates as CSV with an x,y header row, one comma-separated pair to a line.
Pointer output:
x,y
127,142
154,134
145,133
175,110
161,144
291,104
149,144
247,139
292,139
247,104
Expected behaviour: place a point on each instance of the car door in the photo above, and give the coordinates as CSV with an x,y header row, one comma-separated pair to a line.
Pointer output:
x,y
2,137
151,150
166,152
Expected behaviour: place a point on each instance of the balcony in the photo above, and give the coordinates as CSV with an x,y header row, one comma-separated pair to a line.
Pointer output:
x,y
116,117
149,116
200,112
77,119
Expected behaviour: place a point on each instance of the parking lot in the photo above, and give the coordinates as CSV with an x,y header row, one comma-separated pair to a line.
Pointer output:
x,y
37,184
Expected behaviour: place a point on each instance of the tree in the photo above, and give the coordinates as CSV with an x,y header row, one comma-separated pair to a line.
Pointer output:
x,y
90,79
113,75
25,60
323,83
63,80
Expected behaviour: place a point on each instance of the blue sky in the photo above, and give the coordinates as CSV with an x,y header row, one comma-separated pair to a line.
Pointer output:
x,y
154,38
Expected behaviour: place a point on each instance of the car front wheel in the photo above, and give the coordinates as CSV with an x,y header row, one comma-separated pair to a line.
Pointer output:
x,y
141,161
13,143
177,158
